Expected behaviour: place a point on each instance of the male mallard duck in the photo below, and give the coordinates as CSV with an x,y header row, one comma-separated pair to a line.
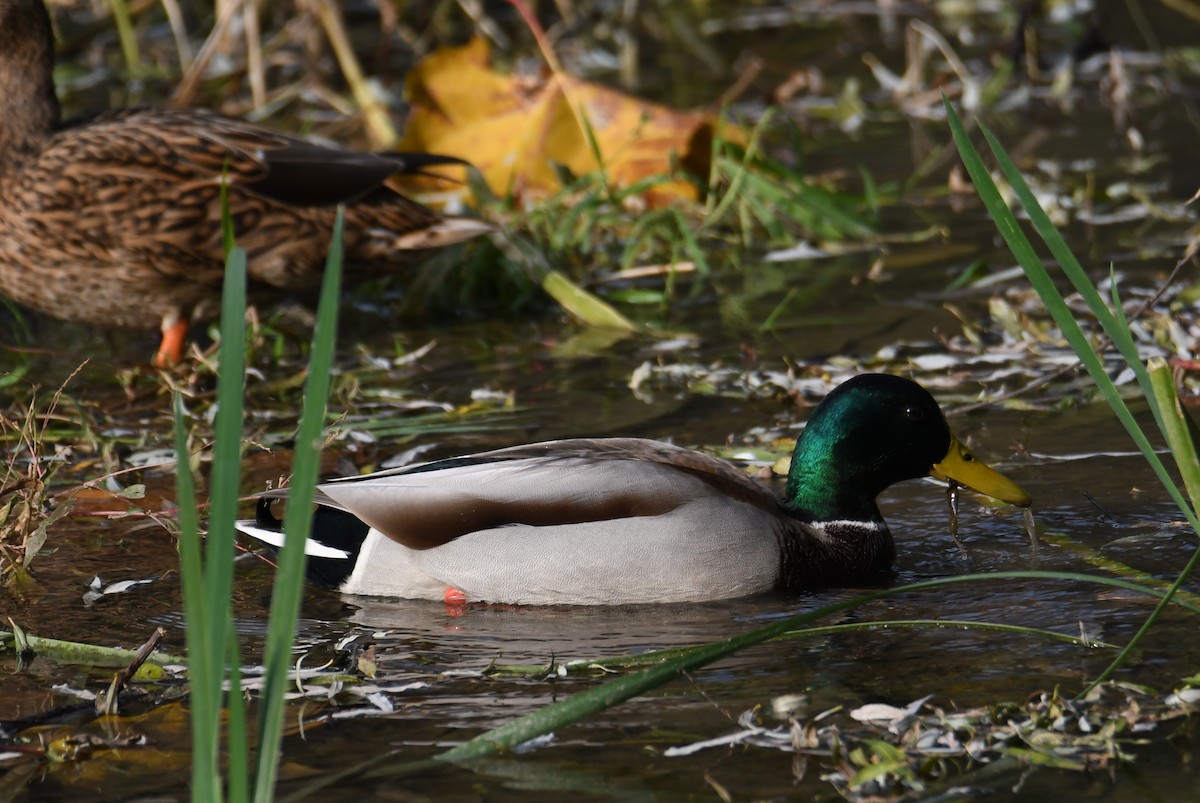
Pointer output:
x,y
626,520
116,220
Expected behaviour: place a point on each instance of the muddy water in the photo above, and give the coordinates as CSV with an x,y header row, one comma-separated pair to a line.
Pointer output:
x,y
1090,494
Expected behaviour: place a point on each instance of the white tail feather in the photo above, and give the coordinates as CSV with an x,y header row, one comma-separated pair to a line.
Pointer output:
x,y
275,538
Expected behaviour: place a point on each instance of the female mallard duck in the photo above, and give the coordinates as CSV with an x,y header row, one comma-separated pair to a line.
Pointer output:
x,y
626,520
116,220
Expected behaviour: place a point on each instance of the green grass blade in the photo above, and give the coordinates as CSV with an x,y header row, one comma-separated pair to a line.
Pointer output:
x,y
1177,427
289,578
1113,323
208,573
1128,649
640,659
228,235
1112,320
1121,335
237,767
594,700
206,778
123,21
691,245
558,715
1117,568
85,655
227,448
1038,276
224,483
716,209
1178,430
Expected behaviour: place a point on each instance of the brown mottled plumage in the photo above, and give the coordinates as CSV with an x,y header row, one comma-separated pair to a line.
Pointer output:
x,y
116,220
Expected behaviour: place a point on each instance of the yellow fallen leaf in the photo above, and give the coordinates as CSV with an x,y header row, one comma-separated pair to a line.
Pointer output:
x,y
583,305
516,128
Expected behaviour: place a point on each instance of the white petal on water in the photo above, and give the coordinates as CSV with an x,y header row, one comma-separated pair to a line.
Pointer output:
x,y
544,740
877,713
802,251
151,457
1184,698
97,589
696,747
382,702
935,362
1125,377
787,704
1088,455
407,456
367,689
121,586
884,714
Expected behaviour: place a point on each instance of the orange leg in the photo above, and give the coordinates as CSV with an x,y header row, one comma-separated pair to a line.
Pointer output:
x,y
170,351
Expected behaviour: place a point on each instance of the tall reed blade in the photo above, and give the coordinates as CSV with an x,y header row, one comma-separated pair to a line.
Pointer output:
x,y
1055,304
208,572
289,577
1178,427
206,746
1112,320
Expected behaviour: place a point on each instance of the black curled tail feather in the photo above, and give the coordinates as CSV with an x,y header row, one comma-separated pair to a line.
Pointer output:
x,y
333,528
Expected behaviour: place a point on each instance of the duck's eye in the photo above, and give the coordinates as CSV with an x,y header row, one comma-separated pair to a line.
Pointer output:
x,y
968,457
913,413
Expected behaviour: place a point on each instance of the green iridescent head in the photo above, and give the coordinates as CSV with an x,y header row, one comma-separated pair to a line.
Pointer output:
x,y
871,432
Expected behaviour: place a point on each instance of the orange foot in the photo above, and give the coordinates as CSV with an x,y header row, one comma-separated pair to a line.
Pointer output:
x,y
456,602
170,351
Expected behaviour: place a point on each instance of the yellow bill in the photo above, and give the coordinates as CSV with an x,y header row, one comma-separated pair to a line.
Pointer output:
x,y
960,466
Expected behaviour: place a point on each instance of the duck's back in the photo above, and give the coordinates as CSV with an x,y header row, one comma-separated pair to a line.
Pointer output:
x,y
121,214
584,522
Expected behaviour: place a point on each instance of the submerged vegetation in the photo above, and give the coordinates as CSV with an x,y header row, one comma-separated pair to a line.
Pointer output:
x,y
792,246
